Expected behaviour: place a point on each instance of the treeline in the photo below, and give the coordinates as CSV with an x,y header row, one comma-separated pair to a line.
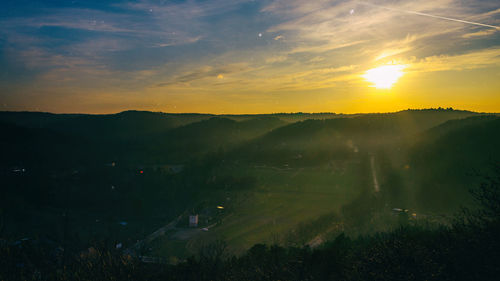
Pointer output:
x,y
469,249
408,253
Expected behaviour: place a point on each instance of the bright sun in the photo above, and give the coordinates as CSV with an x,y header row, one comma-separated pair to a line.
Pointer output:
x,y
383,77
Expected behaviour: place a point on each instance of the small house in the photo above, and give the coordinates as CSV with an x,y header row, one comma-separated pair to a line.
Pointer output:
x,y
193,221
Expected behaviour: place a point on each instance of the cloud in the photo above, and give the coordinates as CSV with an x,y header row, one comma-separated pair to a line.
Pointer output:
x,y
322,26
188,10
396,47
318,78
184,41
317,59
466,61
205,72
480,33
276,59
459,20
40,58
211,46
84,19
325,47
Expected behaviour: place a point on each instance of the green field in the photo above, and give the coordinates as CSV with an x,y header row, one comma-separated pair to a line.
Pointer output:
x,y
284,198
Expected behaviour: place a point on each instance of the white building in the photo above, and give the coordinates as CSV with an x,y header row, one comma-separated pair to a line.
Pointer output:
x,y
193,221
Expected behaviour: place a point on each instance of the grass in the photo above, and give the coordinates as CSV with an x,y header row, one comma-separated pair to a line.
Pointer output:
x,y
282,199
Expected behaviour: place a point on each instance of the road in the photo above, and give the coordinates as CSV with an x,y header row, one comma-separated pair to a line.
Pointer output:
x,y
161,231
374,174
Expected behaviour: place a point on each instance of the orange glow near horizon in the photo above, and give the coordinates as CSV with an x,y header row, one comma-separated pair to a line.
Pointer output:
x,y
320,56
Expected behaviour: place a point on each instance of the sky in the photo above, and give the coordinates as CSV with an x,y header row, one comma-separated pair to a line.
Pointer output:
x,y
249,56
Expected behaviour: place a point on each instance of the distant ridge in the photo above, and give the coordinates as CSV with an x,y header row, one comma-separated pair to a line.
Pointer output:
x,y
134,111
133,123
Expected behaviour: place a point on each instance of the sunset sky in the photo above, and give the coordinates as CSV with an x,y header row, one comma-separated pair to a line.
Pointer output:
x,y
243,56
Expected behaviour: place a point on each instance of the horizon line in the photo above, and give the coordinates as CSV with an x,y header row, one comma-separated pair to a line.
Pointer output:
x,y
243,114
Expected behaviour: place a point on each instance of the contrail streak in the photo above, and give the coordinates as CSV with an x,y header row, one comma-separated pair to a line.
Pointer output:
x,y
431,16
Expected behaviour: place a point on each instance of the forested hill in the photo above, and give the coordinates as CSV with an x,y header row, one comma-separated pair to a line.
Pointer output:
x,y
146,169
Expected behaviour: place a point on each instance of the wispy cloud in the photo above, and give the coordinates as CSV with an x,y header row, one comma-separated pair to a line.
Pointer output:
x,y
276,59
480,33
192,46
324,25
204,72
469,60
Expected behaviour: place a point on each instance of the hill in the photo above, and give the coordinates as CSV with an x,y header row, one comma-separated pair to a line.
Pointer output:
x,y
127,125
449,159
320,140
276,178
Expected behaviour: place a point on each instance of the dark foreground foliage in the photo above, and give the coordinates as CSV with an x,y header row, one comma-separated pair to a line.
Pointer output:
x,y
409,253
467,250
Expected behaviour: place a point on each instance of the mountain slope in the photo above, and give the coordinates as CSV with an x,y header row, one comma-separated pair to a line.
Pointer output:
x,y
449,159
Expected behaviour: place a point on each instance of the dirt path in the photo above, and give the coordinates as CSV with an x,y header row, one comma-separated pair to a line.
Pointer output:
x,y
321,238
374,174
316,241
